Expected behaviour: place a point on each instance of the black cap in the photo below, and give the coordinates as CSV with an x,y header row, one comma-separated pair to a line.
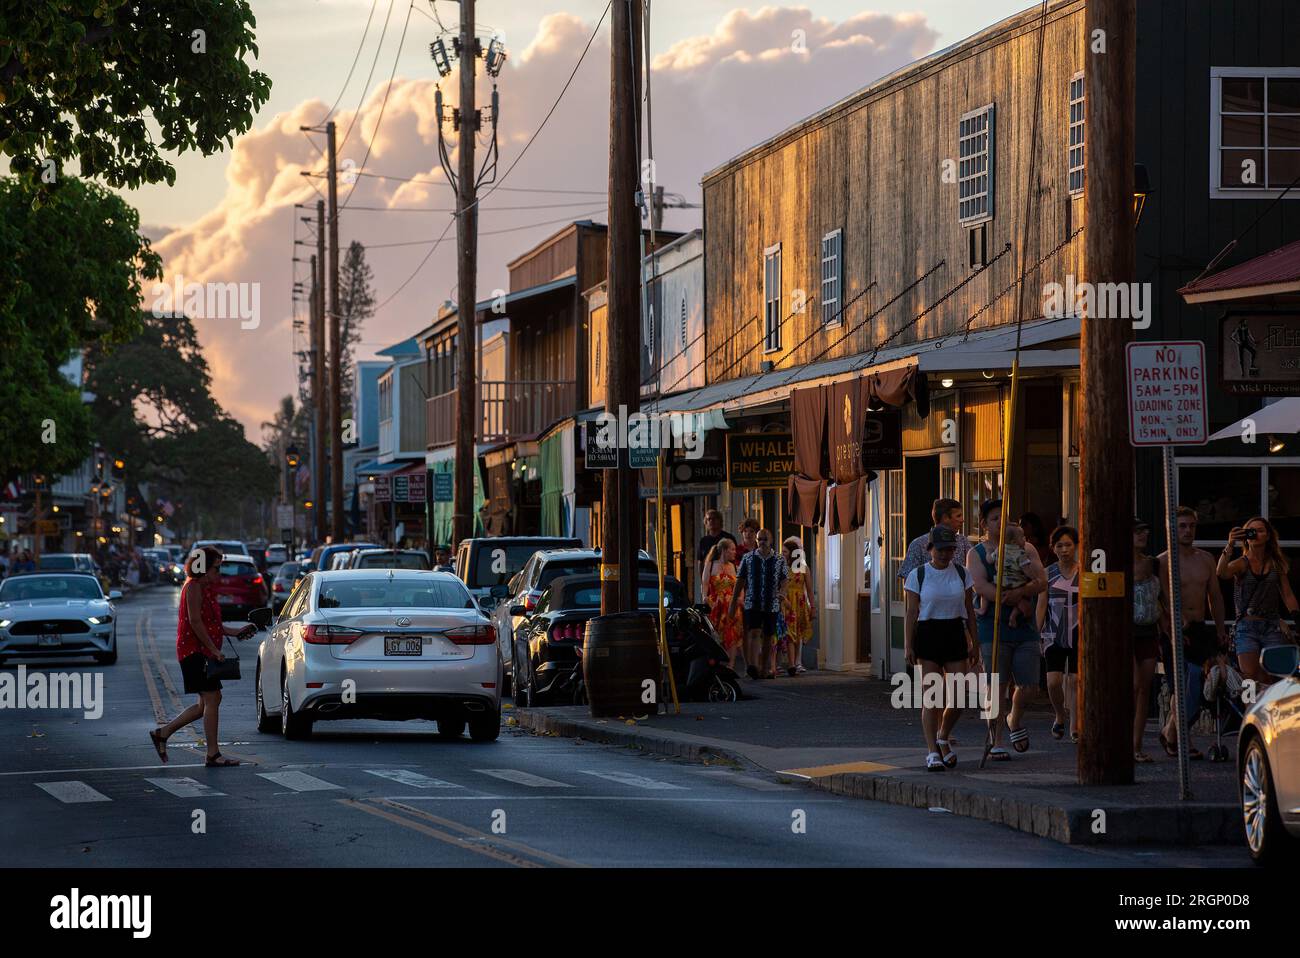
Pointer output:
x,y
942,537
1140,523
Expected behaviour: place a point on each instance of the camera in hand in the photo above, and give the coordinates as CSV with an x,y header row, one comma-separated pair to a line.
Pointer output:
x,y
1250,535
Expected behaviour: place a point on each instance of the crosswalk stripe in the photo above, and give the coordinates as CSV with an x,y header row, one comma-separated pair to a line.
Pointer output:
x,y
413,779
744,781
522,778
185,787
72,793
298,781
637,781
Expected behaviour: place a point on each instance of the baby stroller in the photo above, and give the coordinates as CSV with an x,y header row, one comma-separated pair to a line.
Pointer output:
x,y
1223,690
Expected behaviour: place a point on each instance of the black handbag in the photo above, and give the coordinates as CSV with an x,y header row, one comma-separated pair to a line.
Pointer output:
x,y
227,668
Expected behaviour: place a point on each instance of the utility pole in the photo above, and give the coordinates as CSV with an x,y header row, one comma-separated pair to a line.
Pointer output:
x,y
336,350
1106,460
466,277
620,500
319,418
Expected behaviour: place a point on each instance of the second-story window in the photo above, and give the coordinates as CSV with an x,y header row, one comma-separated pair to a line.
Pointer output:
x,y
1254,130
1076,166
772,298
831,277
975,158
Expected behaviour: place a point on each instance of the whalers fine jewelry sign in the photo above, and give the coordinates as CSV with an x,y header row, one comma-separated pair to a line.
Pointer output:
x,y
759,460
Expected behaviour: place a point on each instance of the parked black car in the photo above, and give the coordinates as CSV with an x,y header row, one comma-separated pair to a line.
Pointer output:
x,y
547,642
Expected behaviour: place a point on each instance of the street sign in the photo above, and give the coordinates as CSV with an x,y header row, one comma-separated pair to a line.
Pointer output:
x,y
598,457
383,489
443,485
401,488
1167,402
284,516
417,489
643,458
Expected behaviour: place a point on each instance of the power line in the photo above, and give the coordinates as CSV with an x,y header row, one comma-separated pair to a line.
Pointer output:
x,y
369,76
383,106
506,189
355,58
452,209
510,229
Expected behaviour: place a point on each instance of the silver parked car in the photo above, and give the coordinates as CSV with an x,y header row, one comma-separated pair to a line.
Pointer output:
x,y
57,613
1268,760
409,644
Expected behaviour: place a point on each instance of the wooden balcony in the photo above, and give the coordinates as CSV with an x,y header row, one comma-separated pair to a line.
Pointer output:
x,y
509,410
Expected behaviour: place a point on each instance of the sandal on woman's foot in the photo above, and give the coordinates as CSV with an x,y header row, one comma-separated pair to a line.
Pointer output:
x,y
999,754
1019,738
1058,730
1171,748
946,752
934,762
159,744
220,761
1141,757
1074,738
752,673
1194,754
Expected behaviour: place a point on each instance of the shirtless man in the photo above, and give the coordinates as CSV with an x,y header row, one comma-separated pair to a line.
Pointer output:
x,y
1201,598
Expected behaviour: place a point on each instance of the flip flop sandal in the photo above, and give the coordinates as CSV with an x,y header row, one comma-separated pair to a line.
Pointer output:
x,y
1141,758
1170,748
1019,738
946,752
220,761
159,744
999,754
1058,730
934,762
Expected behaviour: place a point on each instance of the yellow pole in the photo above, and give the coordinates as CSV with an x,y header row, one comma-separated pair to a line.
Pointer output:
x,y
659,563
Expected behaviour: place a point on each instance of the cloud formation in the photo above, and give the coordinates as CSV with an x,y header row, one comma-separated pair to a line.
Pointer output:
x,y
713,96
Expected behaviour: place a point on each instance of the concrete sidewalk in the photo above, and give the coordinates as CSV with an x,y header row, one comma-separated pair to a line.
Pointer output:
x,y
839,733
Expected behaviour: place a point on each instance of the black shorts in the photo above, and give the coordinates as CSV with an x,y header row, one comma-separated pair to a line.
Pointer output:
x,y
1057,658
940,640
765,622
196,679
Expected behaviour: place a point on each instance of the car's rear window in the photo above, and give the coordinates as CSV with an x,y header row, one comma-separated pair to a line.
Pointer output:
x,y
386,593
287,570
387,560
588,597
497,564
25,588
238,568
57,563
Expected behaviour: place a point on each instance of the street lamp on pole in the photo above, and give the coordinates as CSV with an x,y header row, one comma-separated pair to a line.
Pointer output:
x,y
291,460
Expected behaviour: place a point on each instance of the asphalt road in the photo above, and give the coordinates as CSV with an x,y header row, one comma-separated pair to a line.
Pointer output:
x,y
78,792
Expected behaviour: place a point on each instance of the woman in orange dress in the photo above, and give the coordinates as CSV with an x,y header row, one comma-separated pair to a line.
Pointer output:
x,y
797,605
718,581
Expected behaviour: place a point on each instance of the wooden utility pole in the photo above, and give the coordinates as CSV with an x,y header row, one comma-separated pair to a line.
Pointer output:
x,y
620,500
319,418
1106,460
462,523
336,350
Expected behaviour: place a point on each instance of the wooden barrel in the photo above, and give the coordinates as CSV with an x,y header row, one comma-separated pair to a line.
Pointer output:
x,y
620,653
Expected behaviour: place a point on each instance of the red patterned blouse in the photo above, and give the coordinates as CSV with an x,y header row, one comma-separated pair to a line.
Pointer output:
x,y
187,642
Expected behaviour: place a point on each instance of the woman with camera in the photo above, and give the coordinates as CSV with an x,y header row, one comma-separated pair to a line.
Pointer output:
x,y
1260,591
199,632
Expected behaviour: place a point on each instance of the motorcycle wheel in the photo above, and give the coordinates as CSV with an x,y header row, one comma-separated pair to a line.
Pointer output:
x,y
721,690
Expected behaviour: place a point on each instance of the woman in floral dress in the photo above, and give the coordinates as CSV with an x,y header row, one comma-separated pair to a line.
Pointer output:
x,y
718,581
797,605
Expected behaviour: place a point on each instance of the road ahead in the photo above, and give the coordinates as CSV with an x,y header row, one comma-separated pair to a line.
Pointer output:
x,y
82,793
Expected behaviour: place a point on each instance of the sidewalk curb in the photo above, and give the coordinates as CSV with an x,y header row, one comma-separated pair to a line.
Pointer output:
x,y
1067,821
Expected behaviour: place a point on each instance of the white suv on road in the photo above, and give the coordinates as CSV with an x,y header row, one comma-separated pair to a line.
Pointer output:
x,y
387,644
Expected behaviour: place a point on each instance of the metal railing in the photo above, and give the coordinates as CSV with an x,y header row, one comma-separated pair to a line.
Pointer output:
x,y
508,410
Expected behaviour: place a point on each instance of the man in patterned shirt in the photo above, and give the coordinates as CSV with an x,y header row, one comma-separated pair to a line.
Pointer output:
x,y
944,512
760,580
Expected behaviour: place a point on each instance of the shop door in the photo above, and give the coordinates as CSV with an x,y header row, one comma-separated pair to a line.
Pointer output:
x,y
911,494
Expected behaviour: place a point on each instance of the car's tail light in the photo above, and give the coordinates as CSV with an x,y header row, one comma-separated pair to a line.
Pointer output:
x,y
279,586
566,632
256,580
473,635
331,635
530,600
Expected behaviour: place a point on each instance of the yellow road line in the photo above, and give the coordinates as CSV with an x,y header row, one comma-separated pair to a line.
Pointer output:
x,y
821,771
459,842
149,682
478,835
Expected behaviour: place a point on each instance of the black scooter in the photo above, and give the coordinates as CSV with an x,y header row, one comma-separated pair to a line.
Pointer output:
x,y
700,664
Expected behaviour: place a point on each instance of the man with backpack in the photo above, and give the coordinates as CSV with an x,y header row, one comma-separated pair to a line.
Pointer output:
x,y
944,512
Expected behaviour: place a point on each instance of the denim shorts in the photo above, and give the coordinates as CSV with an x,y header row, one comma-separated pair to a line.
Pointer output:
x,y
1255,635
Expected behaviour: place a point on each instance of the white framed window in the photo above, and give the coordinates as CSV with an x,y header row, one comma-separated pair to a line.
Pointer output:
x,y
832,277
975,158
1254,131
1076,157
772,299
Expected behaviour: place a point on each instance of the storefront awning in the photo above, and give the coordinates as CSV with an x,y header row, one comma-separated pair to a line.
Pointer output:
x,y
983,349
1278,418
1276,273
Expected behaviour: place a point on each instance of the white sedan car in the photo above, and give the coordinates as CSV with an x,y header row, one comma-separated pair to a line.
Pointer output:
x,y
1268,761
388,644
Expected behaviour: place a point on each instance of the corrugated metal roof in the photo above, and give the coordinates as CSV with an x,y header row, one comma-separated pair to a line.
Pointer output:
x,y
1277,267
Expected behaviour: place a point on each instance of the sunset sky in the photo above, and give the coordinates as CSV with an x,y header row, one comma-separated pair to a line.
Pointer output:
x,y
723,78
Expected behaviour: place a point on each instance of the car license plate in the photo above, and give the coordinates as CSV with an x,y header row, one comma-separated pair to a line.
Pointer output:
x,y
402,644
49,640
226,599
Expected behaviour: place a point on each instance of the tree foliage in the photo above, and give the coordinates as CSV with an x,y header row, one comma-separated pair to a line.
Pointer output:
x,y
154,406
71,276
110,83
356,305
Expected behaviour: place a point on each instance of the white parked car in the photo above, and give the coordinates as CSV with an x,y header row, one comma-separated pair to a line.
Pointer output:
x,y
1268,760
413,644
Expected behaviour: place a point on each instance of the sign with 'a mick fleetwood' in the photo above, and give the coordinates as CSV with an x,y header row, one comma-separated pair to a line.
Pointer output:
x,y
1259,354
1166,394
